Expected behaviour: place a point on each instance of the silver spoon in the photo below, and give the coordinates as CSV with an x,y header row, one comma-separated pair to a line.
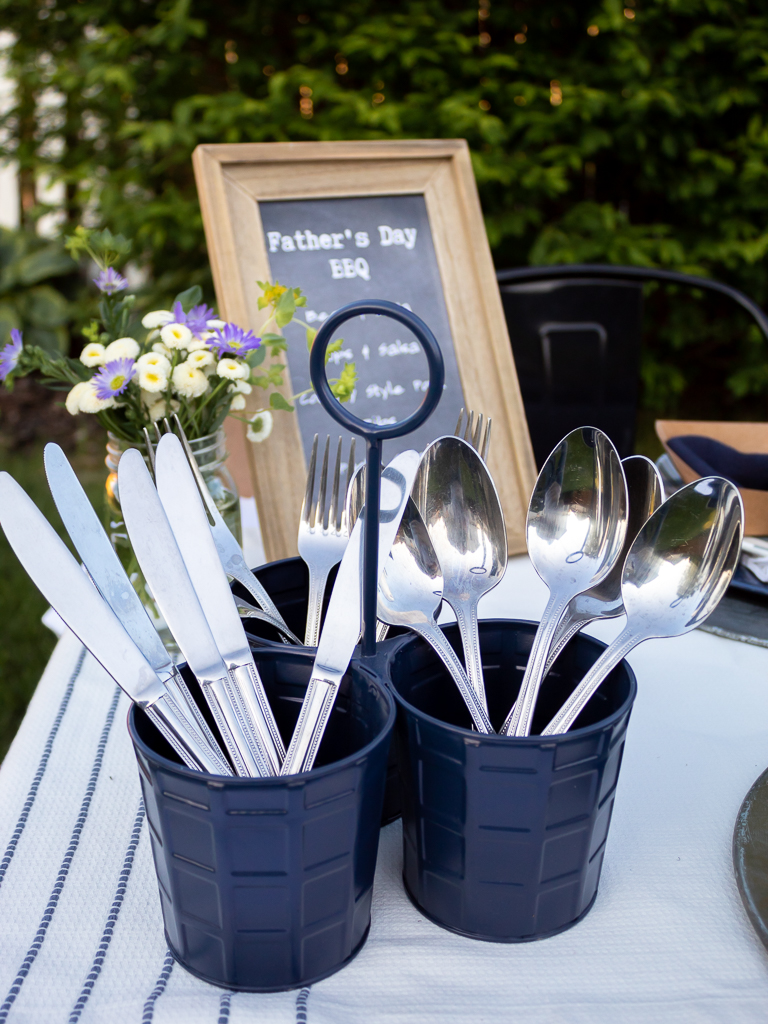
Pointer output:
x,y
676,572
410,593
577,519
645,492
457,500
251,611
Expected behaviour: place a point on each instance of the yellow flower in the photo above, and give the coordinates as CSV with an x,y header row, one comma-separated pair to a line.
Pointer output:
x,y
93,355
271,294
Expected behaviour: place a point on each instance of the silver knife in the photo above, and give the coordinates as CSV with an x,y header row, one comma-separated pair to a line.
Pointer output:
x,y
106,571
68,590
186,513
343,619
158,555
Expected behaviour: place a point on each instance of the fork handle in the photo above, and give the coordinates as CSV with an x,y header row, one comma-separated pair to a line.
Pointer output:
x,y
244,576
317,581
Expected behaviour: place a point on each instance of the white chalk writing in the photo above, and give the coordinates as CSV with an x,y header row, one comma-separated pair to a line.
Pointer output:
x,y
397,236
350,268
377,391
399,348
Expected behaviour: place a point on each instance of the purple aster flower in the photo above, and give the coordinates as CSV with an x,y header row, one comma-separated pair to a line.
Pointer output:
x,y
109,281
113,379
196,319
9,356
232,340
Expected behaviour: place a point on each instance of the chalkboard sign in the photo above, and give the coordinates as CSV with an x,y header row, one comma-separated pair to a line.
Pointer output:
x,y
396,220
341,250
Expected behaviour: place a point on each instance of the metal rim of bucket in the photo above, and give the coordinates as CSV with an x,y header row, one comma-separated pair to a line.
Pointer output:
x,y
496,739
270,780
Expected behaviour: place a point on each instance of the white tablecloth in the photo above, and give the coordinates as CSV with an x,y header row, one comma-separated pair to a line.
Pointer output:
x,y
81,935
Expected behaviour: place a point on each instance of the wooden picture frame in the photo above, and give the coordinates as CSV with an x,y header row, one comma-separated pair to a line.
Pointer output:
x,y
234,179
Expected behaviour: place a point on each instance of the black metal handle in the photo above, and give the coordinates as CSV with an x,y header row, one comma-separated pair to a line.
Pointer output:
x,y
372,433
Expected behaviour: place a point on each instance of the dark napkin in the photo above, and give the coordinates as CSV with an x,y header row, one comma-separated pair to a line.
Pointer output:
x,y
708,457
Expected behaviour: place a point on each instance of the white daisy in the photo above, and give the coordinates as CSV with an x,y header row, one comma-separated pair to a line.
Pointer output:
x,y
93,355
188,381
197,345
152,379
200,358
237,403
241,387
155,360
73,398
89,401
216,325
232,369
158,318
162,349
123,348
176,335
259,427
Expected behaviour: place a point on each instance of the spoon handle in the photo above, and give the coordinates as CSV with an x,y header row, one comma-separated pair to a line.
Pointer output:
x,y
519,720
608,660
466,618
435,636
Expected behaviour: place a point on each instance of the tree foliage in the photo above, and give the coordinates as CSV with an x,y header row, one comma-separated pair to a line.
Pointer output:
x,y
625,131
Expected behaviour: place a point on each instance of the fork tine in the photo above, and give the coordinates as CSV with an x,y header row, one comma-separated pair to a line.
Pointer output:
x,y
478,432
158,431
457,431
333,514
487,439
150,450
318,518
468,431
306,505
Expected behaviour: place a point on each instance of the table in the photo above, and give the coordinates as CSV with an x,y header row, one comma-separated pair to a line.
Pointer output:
x,y
666,941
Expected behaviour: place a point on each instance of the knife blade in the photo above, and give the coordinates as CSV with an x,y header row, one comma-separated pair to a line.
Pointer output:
x,y
106,570
59,578
163,567
186,514
343,619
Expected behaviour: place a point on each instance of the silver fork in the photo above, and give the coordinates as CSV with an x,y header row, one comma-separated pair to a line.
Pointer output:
x,y
323,531
473,432
230,552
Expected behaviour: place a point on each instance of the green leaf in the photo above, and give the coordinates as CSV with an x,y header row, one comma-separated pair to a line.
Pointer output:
x,y
256,356
43,307
311,335
285,308
277,401
191,297
51,261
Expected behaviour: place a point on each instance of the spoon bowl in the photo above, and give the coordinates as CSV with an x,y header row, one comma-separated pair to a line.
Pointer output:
x,y
458,502
603,601
577,520
675,574
410,595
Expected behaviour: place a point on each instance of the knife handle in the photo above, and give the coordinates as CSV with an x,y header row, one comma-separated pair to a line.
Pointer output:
x,y
175,682
246,677
313,718
170,720
233,720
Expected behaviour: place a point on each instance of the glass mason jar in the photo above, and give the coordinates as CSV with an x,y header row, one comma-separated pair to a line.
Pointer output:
x,y
210,454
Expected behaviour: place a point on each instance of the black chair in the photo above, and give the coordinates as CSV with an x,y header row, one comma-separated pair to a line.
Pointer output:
x,y
575,332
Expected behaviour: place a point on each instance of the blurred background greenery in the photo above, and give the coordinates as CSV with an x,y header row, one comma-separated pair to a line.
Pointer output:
x,y
621,131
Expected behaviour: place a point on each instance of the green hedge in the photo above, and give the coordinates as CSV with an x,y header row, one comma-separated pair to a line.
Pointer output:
x,y
625,132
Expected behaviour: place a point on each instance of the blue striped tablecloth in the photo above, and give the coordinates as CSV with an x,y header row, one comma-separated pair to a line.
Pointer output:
x,y
81,935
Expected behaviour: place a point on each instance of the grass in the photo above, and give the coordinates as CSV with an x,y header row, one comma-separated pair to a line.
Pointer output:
x,y
25,643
